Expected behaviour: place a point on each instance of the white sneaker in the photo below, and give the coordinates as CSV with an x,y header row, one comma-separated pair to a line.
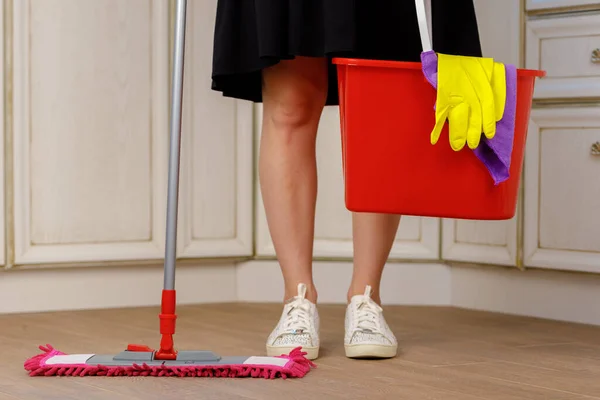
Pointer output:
x,y
367,333
297,327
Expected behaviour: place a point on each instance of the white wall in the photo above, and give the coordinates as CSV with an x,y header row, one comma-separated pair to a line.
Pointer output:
x,y
119,286
545,294
549,294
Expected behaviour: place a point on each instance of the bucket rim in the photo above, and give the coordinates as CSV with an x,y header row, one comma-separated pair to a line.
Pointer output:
x,y
359,62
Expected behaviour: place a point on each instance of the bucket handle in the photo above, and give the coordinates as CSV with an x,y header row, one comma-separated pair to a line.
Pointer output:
x,y
423,27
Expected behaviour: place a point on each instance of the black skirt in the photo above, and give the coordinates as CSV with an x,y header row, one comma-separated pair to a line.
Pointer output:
x,y
254,34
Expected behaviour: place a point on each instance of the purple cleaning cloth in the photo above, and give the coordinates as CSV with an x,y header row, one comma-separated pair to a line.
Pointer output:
x,y
494,153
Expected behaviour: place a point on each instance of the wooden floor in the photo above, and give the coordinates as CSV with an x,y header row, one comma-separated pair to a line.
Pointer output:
x,y
446,354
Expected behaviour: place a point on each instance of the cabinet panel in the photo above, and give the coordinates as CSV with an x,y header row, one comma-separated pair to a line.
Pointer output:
x,y
90,84
217,167
533,5
2,148
564,47
483,242
562,193
418,238
488,242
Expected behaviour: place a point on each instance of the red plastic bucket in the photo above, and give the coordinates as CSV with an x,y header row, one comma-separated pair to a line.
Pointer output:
x,y
390,166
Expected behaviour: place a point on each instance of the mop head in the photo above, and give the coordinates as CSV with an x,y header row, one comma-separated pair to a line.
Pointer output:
x,y
55,363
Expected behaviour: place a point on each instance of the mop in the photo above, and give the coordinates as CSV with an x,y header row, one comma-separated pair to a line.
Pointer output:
x,y
141,360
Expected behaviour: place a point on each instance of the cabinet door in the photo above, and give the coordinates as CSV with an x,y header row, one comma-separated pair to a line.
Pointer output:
x,y
568,49
418,238
534,5
492,242
215,218
562,190
90,118
2,160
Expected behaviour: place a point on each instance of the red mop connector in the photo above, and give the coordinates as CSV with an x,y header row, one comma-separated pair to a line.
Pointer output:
x,y
167,327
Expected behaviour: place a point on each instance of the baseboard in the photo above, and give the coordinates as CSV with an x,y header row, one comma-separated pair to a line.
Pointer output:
x,y
562,296
554,295
112,287
402,283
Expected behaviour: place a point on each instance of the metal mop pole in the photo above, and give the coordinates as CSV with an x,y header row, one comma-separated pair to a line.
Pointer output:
x,y
167,316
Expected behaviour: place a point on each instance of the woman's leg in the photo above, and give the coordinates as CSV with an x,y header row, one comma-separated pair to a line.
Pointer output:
x,y
367,332
294,94
373,236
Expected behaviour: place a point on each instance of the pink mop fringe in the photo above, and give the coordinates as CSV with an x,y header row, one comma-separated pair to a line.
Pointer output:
x,y
297,367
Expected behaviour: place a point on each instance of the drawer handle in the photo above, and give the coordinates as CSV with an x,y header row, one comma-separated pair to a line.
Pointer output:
x,y
596,56
595,150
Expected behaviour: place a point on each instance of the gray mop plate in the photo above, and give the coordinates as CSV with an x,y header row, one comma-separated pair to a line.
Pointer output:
x,y
184,358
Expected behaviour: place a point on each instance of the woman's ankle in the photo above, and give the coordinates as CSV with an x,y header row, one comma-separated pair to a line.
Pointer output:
x,y
291,290
359,289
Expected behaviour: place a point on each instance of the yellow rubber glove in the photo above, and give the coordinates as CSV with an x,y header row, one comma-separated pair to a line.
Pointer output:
x,y
468,90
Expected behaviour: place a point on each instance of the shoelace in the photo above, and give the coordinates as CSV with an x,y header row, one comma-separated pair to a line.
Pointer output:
x,y
368,316
298,316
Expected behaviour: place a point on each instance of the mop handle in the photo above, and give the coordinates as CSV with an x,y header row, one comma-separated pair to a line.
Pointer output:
x,y
175,136
167,314
423,27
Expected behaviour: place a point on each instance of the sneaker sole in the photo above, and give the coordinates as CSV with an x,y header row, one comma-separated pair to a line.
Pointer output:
x,y
276,351
370,351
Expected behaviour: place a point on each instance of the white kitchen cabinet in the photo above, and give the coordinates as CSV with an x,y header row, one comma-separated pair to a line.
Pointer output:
x,y
2,158
548,5
568,49
418,238
562,190
91,123
89,115
489,242
217,154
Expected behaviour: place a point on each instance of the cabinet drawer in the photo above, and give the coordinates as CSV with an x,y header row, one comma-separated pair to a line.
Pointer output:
x,y
534,5
562,189
568,49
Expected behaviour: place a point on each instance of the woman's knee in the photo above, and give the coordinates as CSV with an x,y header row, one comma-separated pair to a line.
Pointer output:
x,y
294,93
293,112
